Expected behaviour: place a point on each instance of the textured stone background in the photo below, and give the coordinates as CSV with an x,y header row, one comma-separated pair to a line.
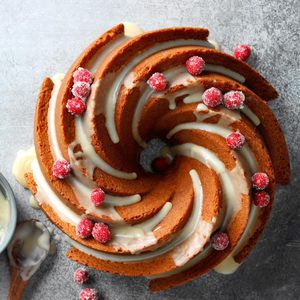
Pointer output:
x,y
39,38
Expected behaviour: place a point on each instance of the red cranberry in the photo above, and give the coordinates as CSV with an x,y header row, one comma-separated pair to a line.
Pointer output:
x,y
75,106
220,241
260,180
101,233
61,169
84,228
212,97
158,81
235,140
261,199
195,65
97,196
242,52
234,100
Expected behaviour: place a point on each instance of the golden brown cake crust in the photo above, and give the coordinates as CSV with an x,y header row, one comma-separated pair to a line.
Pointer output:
x,y
266,142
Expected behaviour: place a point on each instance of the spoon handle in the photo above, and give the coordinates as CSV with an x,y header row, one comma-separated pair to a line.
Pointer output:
x,y
17,285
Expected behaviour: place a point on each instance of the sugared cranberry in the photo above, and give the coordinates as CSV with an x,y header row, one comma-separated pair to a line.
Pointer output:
x,y
220,241
195,65
158,81
84,228
75,106
235,140
81,276
242,52
261,198
101,233
82,75
89,294
234,100
160,164
97,197
81,90
212,97
260,180
61,169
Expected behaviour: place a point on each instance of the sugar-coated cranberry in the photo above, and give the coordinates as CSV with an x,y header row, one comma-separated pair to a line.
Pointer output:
x,y
75,106
234,100
261,198
97,196
89,294
195,65
220,241
212,97
158,81
84,228
61,169
260,180
81,276
81,89
160,164
82,75
242,52
101,233
235,140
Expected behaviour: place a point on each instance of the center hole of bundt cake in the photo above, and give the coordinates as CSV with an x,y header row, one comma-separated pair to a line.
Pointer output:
x,y
156,157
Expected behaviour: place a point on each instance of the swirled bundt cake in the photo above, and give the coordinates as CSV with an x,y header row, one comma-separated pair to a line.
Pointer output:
x,y
204,202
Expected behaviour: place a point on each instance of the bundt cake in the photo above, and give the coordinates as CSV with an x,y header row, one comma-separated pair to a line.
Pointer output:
x,y
209,192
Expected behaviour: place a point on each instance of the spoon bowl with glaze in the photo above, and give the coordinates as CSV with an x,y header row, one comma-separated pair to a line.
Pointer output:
x,y
27,250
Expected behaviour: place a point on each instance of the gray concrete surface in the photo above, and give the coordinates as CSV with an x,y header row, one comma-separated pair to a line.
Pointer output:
x,y
39,38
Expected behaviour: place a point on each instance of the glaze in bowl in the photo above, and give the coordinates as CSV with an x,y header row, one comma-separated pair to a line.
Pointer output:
x,y
7,192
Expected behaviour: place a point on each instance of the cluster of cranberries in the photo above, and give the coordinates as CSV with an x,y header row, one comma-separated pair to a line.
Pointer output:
x,y
213,97
81,89
99,231
194,65
260,181
81,276
232,100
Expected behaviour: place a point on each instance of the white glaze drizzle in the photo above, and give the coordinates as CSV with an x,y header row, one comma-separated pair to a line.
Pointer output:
x,y
103,52
133,238
227,266
175,76
225,71
22,165
201,231
57,81
120,78
251,115
82,185
90,153
232,193
131,29
171,75
33,203
136,237
187,231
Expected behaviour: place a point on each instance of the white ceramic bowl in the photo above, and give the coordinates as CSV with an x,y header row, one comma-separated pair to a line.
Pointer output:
x,y
9,195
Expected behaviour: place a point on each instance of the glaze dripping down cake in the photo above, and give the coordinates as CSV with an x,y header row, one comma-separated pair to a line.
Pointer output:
x,y
209,197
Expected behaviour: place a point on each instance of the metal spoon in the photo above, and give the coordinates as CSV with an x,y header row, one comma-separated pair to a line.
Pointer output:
x,y
27,250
